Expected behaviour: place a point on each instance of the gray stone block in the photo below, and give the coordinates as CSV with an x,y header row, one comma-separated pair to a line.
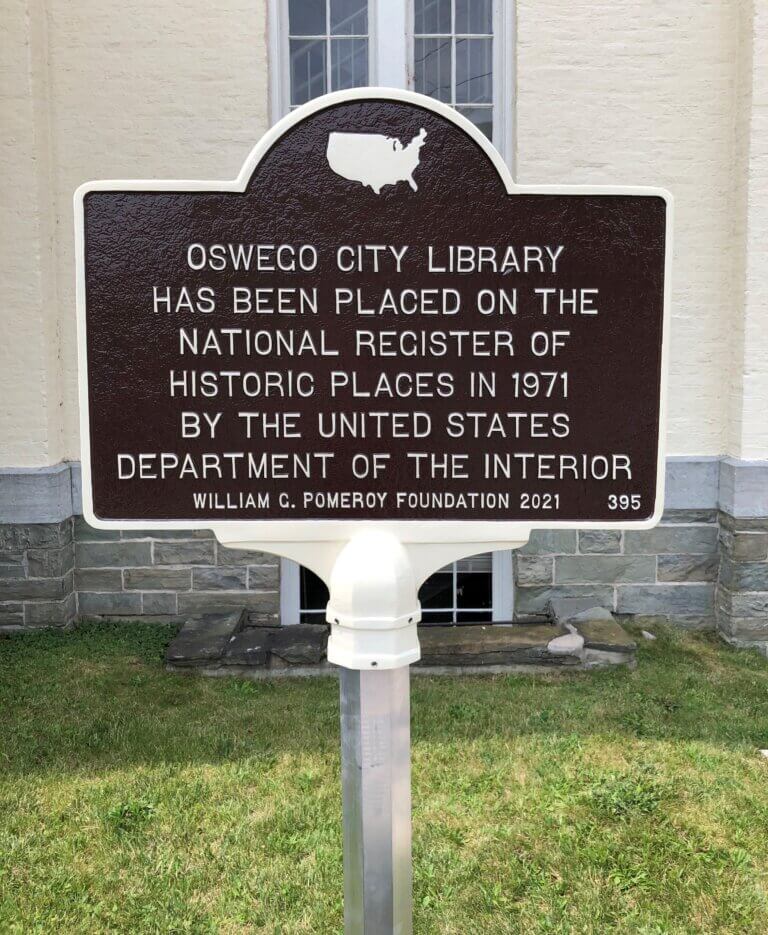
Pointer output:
x,y
204,638
745,546
742,604
167,534
12,571
159,602
691,482
11,615
112,554
86,533
302,643
550,542
743,576
98,579
667,539
50,613
536,600
35,495
198,602
8,557
603,541
601,631
157,579
51,563
263,619
229,556
683,517
191,552
744,487
567,609
688,567
743,523
249,647
604,569
32,589
745,628
112,604
263,577
35,535
77,487
533,569
221,578
668,599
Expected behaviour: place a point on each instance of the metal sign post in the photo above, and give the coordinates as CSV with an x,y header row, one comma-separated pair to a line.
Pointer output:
x,y
373,611
372,353
376,800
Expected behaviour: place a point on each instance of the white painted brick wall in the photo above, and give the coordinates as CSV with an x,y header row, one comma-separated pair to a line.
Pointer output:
x,y
618,91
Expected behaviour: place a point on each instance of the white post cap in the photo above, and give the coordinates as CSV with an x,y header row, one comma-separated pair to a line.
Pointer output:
x,y
374,606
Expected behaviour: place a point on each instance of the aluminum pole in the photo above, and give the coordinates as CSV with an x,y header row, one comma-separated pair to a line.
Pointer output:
x,y
376,793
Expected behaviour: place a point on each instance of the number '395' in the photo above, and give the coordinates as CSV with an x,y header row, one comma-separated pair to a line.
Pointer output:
x,y
624,501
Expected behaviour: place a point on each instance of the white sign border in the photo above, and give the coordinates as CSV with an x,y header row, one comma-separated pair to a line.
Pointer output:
x,y
313,530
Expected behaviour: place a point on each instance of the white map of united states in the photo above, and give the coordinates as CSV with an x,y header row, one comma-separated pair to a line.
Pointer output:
x,y
373,159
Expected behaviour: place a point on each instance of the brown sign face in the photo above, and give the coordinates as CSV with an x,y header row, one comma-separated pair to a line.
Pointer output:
x,y
373,328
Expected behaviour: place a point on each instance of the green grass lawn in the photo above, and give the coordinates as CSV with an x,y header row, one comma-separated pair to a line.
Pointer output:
x,y
136,801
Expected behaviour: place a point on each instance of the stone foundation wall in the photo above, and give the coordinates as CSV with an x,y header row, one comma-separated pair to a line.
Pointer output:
x,y
169,575
697,569
53,573
36,575
666,574
742,587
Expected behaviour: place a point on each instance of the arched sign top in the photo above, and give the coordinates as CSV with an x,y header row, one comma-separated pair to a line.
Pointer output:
x,y
372,324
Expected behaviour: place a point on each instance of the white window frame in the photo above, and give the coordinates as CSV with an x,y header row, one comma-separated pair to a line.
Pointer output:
x,y
390,59
390,64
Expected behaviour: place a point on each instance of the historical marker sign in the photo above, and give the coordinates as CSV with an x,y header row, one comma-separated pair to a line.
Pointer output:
x,y
372,323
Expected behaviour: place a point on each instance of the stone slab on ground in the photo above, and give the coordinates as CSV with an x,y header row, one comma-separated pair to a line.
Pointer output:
x,y
299,644
507,644
606,642
224,640
217,644
601,631
249,647
204,638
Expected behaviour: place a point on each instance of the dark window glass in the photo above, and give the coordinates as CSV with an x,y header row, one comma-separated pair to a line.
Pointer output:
x,y
473,17
453,56
306,17
308,69
314,594
349,17
432,16
482,117
474,71
349,63
432,68
437,616
473,590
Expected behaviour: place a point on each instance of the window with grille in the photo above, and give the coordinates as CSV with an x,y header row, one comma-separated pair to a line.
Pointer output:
x,y
327,47
453,56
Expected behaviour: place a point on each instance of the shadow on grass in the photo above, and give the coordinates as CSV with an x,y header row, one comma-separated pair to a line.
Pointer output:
x,y
98,698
